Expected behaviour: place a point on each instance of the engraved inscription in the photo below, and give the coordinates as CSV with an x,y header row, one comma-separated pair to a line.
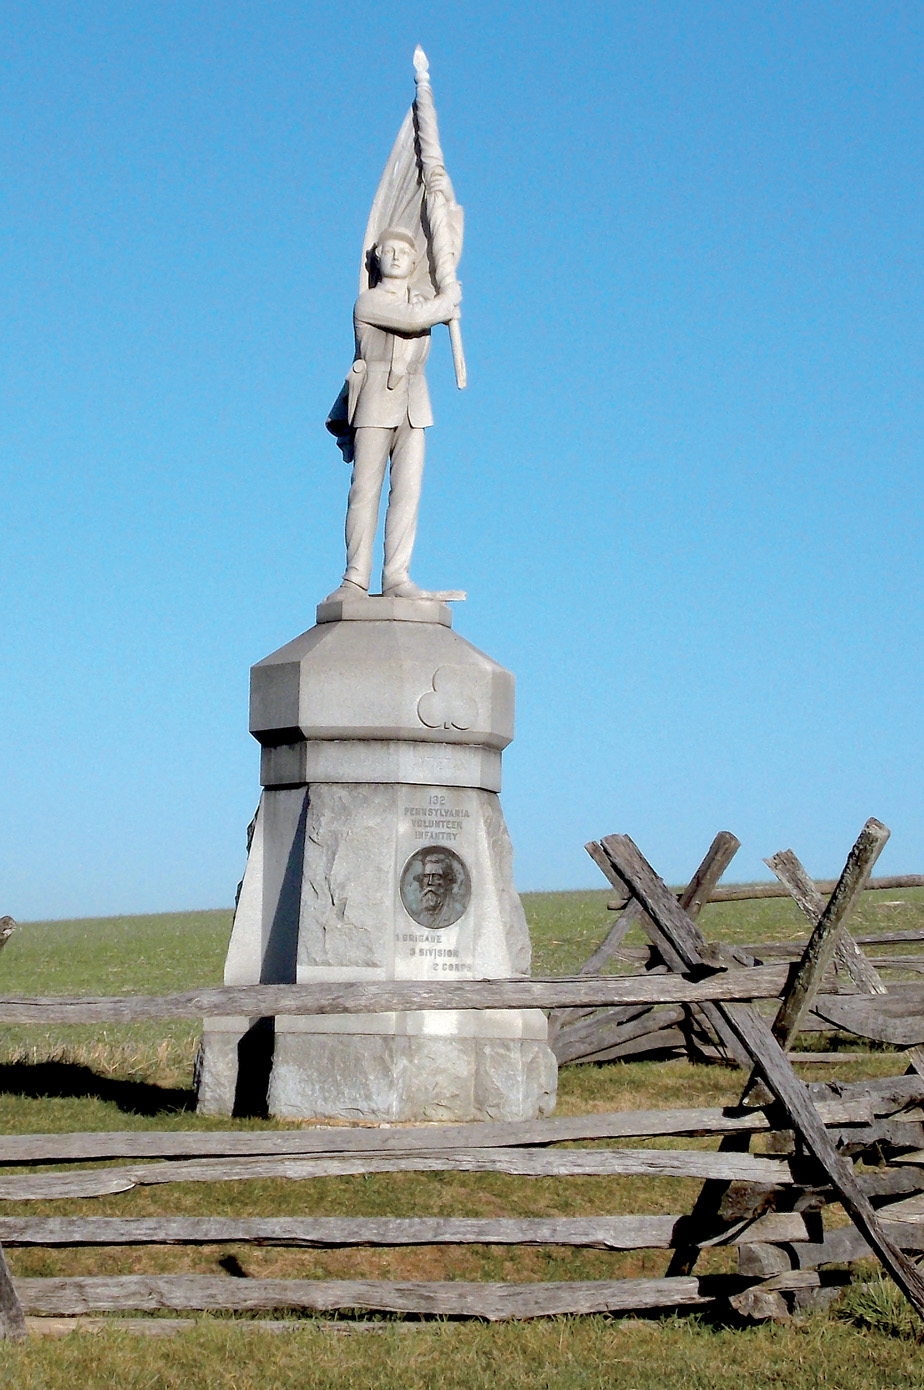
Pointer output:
x,y
429,950
439,821
436,888
446,706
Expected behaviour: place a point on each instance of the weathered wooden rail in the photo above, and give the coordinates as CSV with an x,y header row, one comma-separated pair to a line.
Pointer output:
x,y
853,1114
388,995
679,1029
750,892
767,1206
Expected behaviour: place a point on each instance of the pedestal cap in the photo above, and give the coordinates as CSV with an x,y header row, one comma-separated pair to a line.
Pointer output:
x,y
381,680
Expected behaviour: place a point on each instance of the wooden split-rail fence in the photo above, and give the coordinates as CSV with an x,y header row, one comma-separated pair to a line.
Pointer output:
x,y
674,1030
768,1205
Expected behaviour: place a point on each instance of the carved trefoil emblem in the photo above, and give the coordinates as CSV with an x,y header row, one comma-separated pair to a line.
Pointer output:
x,y
447,705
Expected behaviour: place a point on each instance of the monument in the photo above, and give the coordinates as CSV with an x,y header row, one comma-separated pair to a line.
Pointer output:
x,y
379,849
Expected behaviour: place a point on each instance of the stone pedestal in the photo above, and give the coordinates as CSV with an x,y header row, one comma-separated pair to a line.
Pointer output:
x,y
379,852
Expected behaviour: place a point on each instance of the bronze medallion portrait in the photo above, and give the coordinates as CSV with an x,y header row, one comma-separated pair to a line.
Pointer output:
x,y
436,887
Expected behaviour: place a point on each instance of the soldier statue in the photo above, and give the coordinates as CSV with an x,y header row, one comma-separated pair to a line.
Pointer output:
x,y
383,409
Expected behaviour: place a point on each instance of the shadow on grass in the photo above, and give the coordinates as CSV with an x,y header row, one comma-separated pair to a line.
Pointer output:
x,y
72,1080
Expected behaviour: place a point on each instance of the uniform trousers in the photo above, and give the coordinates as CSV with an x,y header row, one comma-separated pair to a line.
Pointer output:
x,y
372,448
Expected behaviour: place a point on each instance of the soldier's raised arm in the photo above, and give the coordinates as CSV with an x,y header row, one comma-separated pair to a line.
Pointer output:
x,y
388,312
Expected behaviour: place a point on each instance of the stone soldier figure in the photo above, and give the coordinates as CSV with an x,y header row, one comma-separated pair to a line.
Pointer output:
x,y
379,848
383,410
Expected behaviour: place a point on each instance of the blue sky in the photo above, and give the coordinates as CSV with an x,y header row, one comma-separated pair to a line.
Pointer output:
x,y
682,489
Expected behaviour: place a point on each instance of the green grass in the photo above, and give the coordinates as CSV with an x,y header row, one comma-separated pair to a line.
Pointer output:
x,y
114,955
594,1353
139,1077
567,927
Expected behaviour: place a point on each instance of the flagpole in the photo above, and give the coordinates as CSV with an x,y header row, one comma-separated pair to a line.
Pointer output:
x,y
431,160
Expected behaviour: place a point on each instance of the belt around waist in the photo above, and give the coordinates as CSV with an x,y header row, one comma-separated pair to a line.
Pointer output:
x,y
386,367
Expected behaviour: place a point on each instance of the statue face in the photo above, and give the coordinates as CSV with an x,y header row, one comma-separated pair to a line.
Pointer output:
x,y
396,259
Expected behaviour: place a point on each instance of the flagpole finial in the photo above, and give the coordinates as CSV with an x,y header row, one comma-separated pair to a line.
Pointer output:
x,y
421,66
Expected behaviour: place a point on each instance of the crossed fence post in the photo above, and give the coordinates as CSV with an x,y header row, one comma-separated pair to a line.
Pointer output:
x,y
804,983
848,956
688,952
12,1321
582,1033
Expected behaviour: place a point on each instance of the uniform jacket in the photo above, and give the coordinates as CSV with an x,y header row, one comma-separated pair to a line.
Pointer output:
x,y
386,385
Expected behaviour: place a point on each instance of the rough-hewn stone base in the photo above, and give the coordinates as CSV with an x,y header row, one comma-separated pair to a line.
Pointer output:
x,y
394,1078
233,1066
400,1069
379,852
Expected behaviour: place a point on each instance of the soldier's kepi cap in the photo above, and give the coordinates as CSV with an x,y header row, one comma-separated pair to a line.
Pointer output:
x,y
397,234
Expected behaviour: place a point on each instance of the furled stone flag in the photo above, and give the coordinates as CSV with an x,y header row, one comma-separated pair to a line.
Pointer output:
x,y
415,193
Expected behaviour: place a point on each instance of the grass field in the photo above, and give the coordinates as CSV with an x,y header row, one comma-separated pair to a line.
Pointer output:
x,y
140,1077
